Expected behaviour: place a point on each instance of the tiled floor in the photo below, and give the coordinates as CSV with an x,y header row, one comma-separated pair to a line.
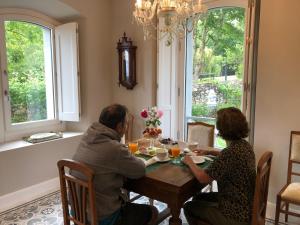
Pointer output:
x,y
43,211
47,211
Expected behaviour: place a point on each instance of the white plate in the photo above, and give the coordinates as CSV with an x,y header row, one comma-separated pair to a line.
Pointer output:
x,y
164,160
197,159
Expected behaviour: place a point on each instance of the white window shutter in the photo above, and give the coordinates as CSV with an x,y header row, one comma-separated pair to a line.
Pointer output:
x,y
66,41
166,91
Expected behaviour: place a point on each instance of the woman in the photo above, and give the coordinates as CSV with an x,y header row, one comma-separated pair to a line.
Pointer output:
x,y
233,169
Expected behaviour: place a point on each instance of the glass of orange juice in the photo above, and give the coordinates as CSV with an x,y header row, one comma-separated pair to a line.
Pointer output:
x,y
133,147
175,152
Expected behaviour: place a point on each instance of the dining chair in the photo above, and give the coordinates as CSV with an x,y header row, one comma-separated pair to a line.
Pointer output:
x,y
290,193
77,193
128,133
201,132
261,191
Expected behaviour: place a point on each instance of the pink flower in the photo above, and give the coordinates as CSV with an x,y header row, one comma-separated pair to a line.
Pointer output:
x,y
159,113
144,113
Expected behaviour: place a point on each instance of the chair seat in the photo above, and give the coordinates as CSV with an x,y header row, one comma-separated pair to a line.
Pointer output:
x,y
292,193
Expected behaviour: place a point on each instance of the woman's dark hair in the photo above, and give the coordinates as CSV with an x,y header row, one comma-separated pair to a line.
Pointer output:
x,y
112,115
232,124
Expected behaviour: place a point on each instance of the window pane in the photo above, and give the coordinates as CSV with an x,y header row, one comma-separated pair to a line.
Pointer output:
x,y
29,65
218,64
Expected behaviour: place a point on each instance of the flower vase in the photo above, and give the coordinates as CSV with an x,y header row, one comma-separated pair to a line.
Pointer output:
x,y
151,148
152,143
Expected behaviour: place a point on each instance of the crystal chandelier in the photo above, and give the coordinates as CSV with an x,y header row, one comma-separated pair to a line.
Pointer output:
x,y
174,13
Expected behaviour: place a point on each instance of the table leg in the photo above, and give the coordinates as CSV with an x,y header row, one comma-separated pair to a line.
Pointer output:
x,y
175,212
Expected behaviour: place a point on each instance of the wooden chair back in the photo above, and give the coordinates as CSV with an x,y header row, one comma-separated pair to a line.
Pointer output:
x,y
261,189
201,132
128,133
289,193
294,155
77,192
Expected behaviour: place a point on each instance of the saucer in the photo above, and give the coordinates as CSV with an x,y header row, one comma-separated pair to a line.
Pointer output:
x,y
197,159
164,160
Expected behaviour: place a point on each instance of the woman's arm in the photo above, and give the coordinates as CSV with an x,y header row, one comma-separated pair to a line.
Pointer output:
x,y
199,173
207,152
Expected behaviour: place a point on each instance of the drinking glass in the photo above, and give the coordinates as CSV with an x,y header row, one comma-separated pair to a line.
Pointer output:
x,y
175,152
133,147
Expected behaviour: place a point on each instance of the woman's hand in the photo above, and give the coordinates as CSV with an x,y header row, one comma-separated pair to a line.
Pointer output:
x,y
206,152
201,152
187,160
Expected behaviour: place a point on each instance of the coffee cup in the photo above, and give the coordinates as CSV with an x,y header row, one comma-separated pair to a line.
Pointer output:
x,y
192,145
162,153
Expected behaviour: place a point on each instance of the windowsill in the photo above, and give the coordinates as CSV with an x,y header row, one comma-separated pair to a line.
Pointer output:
x,y
13,145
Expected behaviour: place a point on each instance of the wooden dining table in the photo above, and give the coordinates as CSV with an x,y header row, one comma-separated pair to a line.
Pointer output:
x,y
168,183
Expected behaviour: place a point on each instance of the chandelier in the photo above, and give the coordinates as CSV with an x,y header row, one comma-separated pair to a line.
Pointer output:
x,y
179,16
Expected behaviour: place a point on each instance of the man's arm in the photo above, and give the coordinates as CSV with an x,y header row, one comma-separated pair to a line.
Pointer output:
x,y
129,165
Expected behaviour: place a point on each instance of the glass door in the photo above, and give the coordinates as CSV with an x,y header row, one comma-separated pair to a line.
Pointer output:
x,y
216,77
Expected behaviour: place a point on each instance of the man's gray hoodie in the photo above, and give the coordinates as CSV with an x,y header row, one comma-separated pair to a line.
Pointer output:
x,y
100,148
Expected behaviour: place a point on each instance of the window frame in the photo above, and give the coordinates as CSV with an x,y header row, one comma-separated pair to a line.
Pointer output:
x,y
10,131
183,64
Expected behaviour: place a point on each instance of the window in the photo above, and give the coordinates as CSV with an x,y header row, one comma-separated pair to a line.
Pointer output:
x,y
218,65
29,72
223,72
176,68
39,74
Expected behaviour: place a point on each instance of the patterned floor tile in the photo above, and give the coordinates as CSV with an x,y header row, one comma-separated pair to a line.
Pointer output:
x,y
43,211
47,211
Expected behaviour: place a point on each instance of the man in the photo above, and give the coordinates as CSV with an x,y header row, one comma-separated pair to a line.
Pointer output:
x,y
100,148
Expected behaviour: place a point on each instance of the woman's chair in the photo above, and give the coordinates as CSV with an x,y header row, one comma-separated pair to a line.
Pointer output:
x,y
290,193
200,132
204,134
261,190
77,192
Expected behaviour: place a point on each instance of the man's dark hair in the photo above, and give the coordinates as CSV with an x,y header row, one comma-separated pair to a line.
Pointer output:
x,y
112,115
232,124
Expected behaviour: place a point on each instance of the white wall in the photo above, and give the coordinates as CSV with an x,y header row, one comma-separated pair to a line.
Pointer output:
x,y
143,94
33,164
95,54
278,85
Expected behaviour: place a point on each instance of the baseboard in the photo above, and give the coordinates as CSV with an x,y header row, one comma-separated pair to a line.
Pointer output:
x,y
271,207
28,194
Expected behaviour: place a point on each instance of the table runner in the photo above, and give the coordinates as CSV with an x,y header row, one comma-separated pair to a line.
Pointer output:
x,y
158,164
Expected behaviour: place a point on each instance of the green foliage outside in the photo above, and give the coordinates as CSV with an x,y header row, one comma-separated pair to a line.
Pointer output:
x,y
218,53
219,42
218,63
26,76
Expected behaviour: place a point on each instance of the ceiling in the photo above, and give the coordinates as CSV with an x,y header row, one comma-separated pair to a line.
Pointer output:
x,y
53,8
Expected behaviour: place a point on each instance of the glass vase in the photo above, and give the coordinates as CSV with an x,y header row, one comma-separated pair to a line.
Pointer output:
x,y
152,143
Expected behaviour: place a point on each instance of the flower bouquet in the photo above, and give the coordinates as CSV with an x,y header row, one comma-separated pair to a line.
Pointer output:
x,y
152,117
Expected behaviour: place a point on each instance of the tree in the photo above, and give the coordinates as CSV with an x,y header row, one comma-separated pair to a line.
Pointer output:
x,y
218,50
26,76
219,37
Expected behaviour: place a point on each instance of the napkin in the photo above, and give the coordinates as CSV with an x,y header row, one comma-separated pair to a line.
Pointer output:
x,y
150,161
